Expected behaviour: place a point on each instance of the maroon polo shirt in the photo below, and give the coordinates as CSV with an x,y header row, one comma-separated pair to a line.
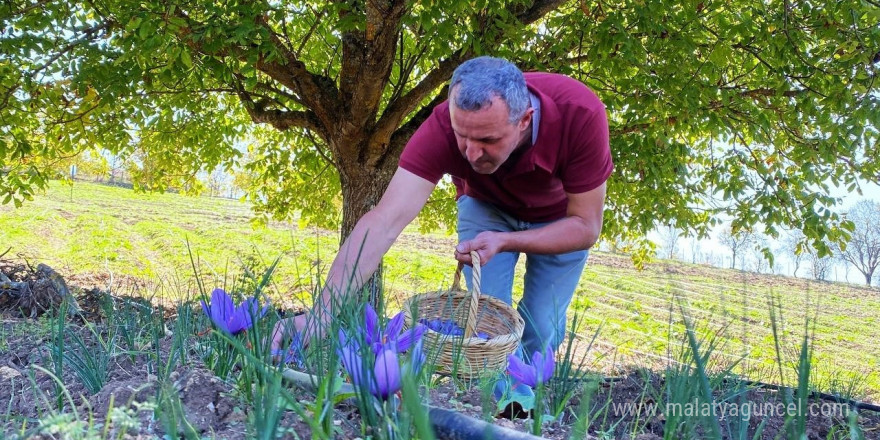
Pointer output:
x,y
571,153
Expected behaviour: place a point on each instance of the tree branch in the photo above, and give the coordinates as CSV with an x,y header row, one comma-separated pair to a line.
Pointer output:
x,y
88,35
537,10
280,119
368,58
401,136
637,128
318,93
398,109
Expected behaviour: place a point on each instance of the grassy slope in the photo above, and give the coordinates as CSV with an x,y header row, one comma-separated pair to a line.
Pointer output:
x,y
104,229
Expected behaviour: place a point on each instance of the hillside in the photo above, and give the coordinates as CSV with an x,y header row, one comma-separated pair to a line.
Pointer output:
x,y
106,236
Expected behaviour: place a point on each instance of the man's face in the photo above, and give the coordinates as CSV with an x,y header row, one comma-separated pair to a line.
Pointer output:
x,y
485,137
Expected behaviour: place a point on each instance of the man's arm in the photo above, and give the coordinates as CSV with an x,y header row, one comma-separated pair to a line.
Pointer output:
x,y
361,252
579,230
375,232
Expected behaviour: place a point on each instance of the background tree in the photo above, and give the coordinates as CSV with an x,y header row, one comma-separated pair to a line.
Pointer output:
x,y
670,237
738,242
749,108
696,251
792,247
820,265
862,250
755,253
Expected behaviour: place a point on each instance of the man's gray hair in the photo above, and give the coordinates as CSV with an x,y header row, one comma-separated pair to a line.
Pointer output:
x,y
482,78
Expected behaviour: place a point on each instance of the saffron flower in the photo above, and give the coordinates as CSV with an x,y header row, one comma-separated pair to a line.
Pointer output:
x,y
383,348
293,354
539,372
389,337
448,327
384,379
229,318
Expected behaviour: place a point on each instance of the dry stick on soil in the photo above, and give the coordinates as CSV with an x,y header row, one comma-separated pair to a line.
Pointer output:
x,y
7,284
447,425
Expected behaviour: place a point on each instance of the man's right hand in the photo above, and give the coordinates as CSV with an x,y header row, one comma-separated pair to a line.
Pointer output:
x,y
308,325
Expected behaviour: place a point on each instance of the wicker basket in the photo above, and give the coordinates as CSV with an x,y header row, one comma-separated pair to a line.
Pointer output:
x,y
467,357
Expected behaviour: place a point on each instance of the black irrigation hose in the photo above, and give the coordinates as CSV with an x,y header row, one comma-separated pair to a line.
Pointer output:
x,y
813,394
447,425
451,425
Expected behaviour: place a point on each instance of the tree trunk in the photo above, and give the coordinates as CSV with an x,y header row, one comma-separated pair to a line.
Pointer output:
x,y
868,277
363,181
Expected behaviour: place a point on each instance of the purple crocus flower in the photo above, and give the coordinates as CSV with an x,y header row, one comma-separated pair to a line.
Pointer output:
x,y
387,374
539,372
448,327
384,380
229,318
293,354
391,335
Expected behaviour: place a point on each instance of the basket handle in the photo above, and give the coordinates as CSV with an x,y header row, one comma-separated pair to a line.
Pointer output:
x,y
476,276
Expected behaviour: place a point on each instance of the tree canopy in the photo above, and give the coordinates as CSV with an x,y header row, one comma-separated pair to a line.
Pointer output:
x,y
744,108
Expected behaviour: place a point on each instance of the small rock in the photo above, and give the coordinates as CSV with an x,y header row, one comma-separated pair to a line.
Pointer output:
x,y
7,373
505,423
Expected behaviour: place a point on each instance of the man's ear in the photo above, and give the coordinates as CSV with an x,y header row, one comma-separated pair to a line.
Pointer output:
x,y
526,119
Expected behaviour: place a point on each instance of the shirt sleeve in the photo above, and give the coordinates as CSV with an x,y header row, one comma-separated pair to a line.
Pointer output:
x,y
589,163
427,152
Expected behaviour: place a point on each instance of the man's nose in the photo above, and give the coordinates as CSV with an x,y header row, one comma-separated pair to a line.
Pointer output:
x,y
473,151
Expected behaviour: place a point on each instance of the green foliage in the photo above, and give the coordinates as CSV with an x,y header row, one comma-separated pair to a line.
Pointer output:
x,y
170,414
57,351
702,392
90,361
753,109
568,377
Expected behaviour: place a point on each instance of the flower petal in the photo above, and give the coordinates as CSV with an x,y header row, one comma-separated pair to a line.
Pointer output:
x,y
206,308
417,359
343,339
393,327
353,364
235,323
372,335
409,337
387,374
520,371
548,364
243,318
221,306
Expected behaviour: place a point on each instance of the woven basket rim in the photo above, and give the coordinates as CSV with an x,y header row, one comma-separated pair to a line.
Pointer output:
x,y
501,339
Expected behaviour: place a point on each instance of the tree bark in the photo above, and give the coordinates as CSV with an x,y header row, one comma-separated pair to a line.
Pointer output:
x,y
363,180
363,184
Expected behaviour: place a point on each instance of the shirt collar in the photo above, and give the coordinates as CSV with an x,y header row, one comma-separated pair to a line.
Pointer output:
x,y
542,153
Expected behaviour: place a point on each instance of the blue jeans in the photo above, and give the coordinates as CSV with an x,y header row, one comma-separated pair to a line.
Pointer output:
x,y
550,280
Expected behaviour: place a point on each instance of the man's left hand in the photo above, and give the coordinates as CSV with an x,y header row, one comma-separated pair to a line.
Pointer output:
x,y
487,244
